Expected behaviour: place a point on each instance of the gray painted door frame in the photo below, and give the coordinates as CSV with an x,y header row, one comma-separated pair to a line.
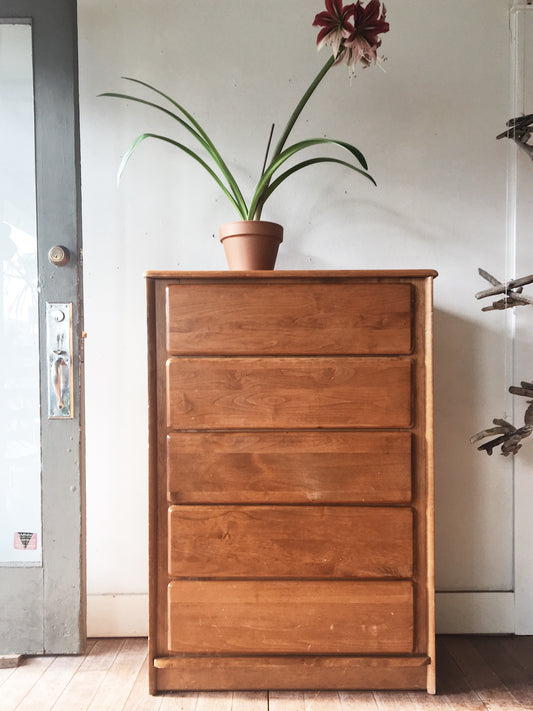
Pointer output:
x,y
43,609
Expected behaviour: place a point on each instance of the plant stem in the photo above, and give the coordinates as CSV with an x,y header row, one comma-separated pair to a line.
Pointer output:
x,y
267,149
303,101
288,128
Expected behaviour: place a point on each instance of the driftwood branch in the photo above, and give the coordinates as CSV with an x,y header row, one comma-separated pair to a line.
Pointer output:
x,y
510,437
520,130
512,291
499,288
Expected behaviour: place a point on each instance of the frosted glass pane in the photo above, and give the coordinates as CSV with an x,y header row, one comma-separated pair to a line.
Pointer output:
x,y
20,458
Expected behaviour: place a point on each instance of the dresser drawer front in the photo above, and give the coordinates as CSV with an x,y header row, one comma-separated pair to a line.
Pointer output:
x,y
204,393
290,542
283,617
289,467
305,318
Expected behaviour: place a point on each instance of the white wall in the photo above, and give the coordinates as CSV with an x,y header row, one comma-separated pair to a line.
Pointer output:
x,y
427,127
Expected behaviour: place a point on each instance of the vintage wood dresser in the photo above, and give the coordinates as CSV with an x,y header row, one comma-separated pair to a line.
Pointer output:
x,y
291,480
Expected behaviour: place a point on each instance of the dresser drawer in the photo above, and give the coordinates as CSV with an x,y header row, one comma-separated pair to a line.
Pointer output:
x,y
283,617
311,318
289,467
224,393
290,542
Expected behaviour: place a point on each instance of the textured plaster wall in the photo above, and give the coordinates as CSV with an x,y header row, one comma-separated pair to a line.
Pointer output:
x,y
427,126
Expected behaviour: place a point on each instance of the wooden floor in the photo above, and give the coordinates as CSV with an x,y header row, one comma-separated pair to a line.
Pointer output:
x,y
493,673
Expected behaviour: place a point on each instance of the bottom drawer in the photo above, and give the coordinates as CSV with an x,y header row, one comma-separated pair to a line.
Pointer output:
x,y
290,617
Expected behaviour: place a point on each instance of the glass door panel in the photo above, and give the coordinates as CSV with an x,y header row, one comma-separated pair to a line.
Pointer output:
x,y
20,450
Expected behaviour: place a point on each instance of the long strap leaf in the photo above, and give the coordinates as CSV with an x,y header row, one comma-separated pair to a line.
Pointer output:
x,y
260,192
213,151
189,128
312,161
189,152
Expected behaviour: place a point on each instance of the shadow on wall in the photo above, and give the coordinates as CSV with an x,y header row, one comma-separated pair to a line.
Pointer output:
x,y
473,491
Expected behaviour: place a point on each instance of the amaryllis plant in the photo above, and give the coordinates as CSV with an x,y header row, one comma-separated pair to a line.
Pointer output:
x,y
353,32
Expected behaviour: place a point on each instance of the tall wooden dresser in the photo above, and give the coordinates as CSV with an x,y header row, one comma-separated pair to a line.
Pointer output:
x,y
291,480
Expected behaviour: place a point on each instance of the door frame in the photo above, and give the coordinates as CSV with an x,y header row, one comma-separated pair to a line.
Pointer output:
x,y
521,253
44,608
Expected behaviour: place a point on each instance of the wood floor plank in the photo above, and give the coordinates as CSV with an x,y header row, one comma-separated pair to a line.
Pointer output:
x,y
357,701
250,701
286,701
120,678
79,693
215,701
92,671
482,679
421,701
179,701
452,684
230,701
391,700
139,698
102,654
322,701
44,694
520,649
514,676
20,683
6,673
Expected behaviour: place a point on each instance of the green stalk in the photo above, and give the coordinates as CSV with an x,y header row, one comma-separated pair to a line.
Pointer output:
x,y
301,104
292,120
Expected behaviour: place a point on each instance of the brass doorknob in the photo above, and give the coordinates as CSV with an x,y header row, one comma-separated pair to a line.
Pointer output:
x,y
58,256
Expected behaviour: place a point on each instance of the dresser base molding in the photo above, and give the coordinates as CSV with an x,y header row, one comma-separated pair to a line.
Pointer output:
x,y
215,673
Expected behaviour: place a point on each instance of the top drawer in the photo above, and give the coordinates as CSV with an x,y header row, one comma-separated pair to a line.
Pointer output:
x,y
301,318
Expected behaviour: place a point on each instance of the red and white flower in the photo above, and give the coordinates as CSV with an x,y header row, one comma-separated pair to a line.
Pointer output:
x,y
363,43
335,25
352,30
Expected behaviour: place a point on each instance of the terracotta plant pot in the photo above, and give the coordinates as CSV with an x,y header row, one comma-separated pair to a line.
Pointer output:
x,y
251,244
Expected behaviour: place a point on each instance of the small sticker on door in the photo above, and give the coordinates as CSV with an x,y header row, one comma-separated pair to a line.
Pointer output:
x,y
25,541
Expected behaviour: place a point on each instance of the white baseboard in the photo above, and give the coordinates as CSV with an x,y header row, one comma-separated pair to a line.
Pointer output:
x,y
475,612
117,615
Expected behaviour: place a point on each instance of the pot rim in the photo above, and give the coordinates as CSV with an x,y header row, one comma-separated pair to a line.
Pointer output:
x,y
245,228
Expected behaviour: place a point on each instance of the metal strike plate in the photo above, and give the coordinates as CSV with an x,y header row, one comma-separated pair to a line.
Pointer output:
x,y
59,360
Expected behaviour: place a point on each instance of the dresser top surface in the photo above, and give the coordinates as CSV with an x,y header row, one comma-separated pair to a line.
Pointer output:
x,y
296,274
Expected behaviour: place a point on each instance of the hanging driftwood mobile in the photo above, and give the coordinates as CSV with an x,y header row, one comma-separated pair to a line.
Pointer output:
x,y
508,436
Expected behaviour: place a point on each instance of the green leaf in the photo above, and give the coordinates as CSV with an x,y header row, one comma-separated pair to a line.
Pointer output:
x,y
189,152
189,128
188,115
261,192
313,161
212,149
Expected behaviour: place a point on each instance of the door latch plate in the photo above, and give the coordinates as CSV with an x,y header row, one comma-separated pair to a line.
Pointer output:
x,y
59,360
